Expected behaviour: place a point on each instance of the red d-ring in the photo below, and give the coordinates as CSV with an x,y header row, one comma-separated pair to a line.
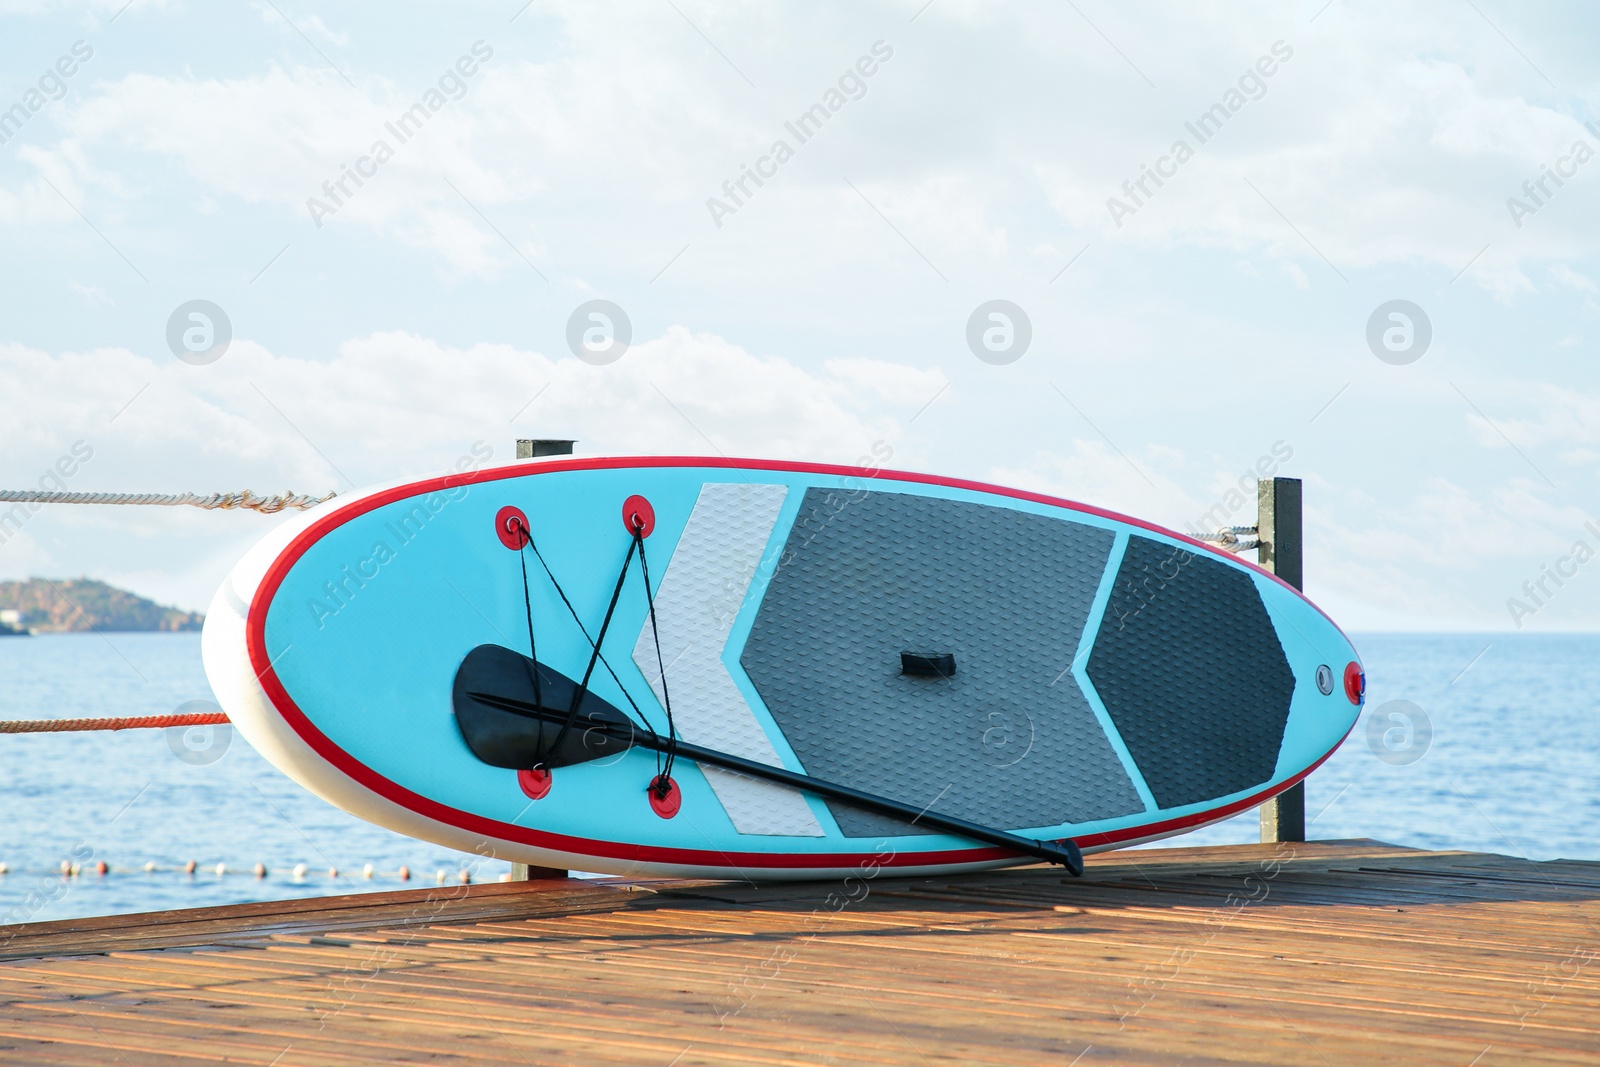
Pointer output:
x,y
637,514
1355,683
511,526
535,782
665,806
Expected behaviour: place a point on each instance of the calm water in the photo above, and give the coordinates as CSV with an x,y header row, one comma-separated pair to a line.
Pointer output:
x,y
1510,766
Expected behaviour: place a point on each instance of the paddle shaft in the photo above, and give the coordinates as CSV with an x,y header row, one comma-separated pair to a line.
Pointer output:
x,y
1065,852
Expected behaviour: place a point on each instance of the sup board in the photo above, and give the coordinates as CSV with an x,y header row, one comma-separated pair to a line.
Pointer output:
x,y
523,661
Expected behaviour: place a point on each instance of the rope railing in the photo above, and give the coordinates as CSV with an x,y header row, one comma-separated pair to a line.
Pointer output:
x,y
133,722
1233,538
245,500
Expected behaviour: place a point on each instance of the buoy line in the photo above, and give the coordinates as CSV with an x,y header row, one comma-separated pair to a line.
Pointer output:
x,y
193,869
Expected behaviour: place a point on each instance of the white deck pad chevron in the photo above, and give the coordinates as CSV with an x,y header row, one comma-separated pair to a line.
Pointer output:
x,y
696,604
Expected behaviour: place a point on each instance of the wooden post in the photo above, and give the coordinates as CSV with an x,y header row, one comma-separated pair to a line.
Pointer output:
x,y
538,448
527,872
1283,818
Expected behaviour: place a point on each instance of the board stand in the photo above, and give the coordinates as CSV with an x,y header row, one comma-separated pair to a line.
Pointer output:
x,y
1278,529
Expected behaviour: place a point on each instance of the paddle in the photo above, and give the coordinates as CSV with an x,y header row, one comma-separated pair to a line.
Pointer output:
x,y
606,731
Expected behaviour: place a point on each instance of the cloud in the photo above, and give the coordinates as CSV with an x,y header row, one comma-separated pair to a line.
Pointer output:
x,y
1200,331
1151,483
1546,415
1437,558
91,294
391,404
273,16
1565,276
394,402
1378,147
891,382
1445,560
285,137
89,10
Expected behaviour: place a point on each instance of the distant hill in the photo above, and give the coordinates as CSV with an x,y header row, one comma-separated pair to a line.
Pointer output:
x,y
71,605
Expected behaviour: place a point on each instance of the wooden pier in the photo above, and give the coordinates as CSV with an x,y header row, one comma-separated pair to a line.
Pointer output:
x,y
1327,953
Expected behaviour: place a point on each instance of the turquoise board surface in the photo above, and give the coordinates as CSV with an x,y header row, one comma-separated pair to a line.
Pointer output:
x,y
355,630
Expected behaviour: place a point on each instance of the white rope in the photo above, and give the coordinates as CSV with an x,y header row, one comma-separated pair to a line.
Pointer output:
x,y
265,504
1234,538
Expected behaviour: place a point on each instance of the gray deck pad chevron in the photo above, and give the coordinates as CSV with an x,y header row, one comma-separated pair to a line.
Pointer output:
x,y
1192,673
1009,740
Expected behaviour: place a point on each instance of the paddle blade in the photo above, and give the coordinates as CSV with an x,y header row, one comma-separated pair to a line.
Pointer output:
x,y
519,741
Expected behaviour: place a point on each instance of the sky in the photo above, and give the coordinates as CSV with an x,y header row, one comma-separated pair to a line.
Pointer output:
x,y
1347,242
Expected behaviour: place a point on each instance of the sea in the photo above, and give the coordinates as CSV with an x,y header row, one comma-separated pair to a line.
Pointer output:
x,y
1486,742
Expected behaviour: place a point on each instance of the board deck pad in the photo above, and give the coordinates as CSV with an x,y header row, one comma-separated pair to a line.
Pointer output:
x,y
1024,663
1192,674
1009,593
699,598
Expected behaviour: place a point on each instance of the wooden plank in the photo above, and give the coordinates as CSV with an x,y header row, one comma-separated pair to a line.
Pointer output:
x,y
1355,952
197,926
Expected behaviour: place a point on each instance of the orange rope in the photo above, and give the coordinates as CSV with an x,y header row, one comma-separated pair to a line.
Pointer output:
x,y
137,722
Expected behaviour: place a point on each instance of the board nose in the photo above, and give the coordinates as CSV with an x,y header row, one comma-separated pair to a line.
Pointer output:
x,y
1355,683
